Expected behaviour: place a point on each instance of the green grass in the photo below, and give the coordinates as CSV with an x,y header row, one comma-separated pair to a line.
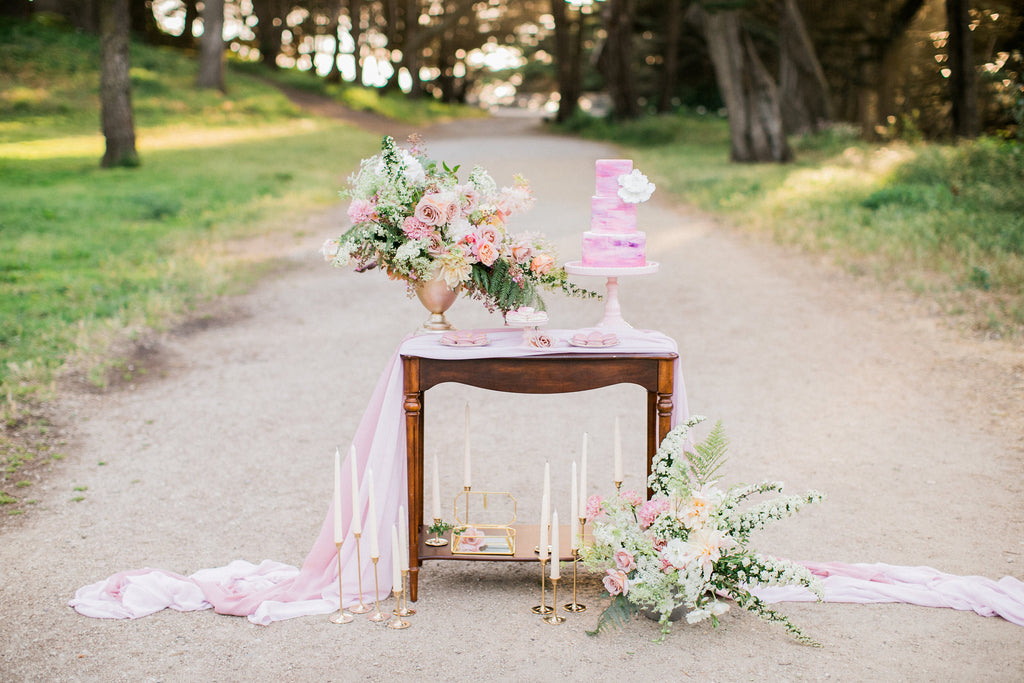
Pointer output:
x,y
947,221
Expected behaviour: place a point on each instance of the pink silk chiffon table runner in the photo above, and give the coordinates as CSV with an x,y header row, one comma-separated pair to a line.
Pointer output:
x,y
272,591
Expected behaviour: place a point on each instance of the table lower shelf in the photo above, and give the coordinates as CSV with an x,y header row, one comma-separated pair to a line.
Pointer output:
x,y
527,539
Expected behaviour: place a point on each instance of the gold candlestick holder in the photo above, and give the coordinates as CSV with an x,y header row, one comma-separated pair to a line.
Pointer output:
x,y
360,608
397,622
466,489
574,606
377,614
542,608
554,617
342,617
618,486
402,606
437,541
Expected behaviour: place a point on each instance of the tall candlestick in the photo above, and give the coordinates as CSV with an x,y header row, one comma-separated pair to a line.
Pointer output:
x,y
555,555
437,492
357,513
467,467
396,552
403,539
583,477
371,521
338,536
574,509
618,451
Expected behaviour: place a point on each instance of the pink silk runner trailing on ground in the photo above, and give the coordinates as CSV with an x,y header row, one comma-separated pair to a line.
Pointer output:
x,y
272,591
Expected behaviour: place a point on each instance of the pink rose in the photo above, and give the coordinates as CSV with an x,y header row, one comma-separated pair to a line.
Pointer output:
x,y
522,252
666,566
650,510
488,234
593,506
659,544
471,540
616,582
624,560
416,229
542,263
435,246
486,253
432,209
633,498
469,198
361,210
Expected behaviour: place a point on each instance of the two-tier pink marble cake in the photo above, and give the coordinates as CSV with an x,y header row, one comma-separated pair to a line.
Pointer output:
x,y
613,240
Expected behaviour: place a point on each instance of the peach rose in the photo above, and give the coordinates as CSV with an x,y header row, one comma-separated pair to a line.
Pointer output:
x,y
486,253
542,263
433,209
616,582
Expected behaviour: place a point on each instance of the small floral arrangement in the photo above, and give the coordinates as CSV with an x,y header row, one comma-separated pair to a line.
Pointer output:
x,y
688,545
414,218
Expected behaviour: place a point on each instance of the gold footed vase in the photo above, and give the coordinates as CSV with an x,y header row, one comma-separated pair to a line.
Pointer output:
x,y
437,297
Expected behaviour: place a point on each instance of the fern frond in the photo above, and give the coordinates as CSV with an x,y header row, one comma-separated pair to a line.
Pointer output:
x,y
708,456
616,614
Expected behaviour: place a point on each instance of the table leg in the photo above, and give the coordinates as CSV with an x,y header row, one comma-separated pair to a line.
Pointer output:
x,y
414,467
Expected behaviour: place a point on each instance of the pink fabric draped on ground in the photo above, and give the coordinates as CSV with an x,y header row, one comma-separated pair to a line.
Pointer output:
x,y
272,591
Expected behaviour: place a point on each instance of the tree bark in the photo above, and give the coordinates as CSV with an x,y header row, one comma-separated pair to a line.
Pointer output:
x,y
963,83
355,13
749,93
803,90
115,86
669,73
211,46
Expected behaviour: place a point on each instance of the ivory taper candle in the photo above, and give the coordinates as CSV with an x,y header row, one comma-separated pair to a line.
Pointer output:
x,y
618,451
396,569
371,520
555,554
436,492
467,469
574,509
338,536
543,546
583,477
357,512
403,539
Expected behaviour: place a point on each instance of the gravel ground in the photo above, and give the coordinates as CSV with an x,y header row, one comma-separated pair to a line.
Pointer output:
x,y
224,450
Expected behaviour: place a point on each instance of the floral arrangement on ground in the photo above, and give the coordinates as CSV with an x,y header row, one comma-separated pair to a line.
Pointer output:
x,y
414,218
688,546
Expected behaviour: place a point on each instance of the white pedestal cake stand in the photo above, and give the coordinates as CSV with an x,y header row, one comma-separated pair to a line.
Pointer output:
x,y
612,310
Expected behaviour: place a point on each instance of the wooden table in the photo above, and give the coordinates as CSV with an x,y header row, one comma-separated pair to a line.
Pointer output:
x,y
540,374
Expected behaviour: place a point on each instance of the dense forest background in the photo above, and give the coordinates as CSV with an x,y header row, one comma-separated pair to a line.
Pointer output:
x,y
934,69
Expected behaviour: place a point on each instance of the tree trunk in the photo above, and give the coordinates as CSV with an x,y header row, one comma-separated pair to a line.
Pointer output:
x,y
355,13
115,86
963,84
617,57
211,46
411,48
673,19
877,57
270,16
749,93
334,73
803,90
568,91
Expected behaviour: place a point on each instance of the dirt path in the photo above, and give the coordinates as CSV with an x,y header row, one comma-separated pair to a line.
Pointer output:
x,y
822,381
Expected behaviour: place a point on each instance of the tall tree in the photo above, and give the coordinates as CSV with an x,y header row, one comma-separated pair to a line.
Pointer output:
x,y
748,90
669,73
567,77
963,84
270,18
211,46
803,90
115,86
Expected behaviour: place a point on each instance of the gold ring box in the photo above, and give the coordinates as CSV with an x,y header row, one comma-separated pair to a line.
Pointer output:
x,y
493,535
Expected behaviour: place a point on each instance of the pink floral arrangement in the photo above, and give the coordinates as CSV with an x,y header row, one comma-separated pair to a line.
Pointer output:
x,y
417,220
688,546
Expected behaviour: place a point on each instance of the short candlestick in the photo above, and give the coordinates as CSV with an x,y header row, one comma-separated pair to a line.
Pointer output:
x,y
377,615
397,622
574,606
360,608
553,617
402,607
342,617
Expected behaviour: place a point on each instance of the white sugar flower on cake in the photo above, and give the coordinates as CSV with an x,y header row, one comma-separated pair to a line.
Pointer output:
x,y
635,187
